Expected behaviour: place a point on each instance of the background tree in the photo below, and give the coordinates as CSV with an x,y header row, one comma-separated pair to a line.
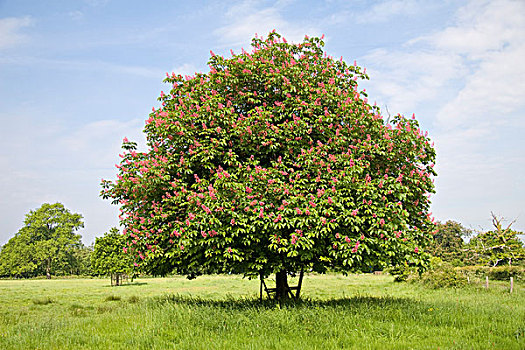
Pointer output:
x,y
80,261
274,162
449,242
109,257
499,246
16,258
44,245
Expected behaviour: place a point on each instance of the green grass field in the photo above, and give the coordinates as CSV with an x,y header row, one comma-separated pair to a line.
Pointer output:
x,y
223,312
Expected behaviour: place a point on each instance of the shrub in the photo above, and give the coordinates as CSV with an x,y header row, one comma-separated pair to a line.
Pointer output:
x,y
441,275
403,273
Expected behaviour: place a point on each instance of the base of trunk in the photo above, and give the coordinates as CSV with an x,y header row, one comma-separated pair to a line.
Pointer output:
x,y
282,290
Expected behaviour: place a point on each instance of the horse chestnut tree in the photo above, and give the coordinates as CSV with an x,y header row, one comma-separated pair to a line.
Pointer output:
x,y
274,162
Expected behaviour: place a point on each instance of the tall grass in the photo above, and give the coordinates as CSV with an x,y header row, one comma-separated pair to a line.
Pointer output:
x,y
223,312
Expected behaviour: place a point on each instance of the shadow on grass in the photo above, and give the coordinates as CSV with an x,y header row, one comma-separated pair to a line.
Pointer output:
x,y
130,284
354,302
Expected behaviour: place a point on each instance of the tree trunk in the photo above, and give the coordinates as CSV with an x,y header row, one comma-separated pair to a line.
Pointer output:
x,y
281,285
48,269
117,279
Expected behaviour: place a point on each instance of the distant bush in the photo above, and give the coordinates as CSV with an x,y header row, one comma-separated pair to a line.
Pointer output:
x,y
441,275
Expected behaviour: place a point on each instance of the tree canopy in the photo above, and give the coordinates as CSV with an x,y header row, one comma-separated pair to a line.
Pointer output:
x,y
499,246
109,257
274,161
46,244
448,243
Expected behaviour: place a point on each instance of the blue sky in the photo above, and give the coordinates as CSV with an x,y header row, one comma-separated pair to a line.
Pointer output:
x,y
78,76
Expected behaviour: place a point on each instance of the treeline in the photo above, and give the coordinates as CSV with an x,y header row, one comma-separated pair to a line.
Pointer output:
x,y
48,245
460,246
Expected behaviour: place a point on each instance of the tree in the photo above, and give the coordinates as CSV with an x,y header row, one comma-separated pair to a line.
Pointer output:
x,y
44,244
79,262
109,257
448,243
501,245
16,258
274,162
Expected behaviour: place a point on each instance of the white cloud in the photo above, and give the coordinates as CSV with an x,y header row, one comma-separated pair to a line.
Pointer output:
x,y
10,31
493,92
468,81
247,19
482,27
494,44
408,78
92,65
389,9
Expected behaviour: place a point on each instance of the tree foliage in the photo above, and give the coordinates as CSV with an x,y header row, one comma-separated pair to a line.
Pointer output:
x,y
448,243
499,246
274,161
109,257
45,245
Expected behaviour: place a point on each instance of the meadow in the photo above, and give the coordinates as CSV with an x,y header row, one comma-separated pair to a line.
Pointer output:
x,y
224,312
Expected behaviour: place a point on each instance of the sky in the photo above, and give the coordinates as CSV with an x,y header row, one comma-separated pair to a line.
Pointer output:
x,y
76,77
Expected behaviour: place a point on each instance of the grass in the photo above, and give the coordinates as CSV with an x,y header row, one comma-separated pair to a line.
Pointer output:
x,y
223,312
